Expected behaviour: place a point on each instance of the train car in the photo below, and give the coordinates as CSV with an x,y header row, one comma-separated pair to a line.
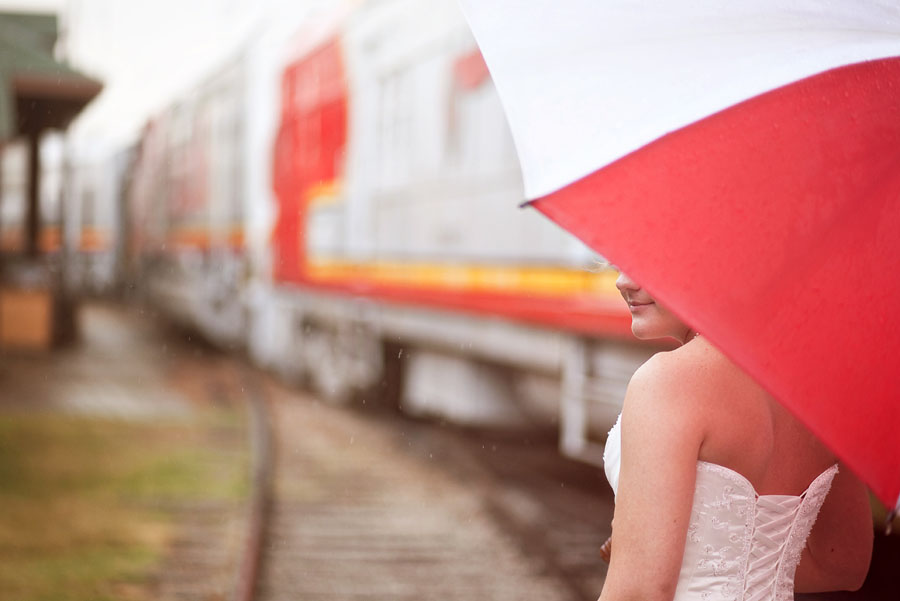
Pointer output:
x,y
95,229
187,208
348,214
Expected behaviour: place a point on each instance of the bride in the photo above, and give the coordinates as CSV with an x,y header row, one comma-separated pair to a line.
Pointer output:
x,y
717,486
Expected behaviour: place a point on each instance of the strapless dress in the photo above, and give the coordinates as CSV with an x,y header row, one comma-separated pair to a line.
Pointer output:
x,y
740,546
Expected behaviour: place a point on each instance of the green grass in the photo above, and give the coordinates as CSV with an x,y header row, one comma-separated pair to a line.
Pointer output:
x,y
83,502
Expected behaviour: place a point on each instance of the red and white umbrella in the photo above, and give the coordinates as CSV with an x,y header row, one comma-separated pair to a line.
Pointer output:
x,y
742,161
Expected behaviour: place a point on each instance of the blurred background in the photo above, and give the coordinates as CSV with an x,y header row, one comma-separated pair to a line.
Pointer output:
x,y
272,323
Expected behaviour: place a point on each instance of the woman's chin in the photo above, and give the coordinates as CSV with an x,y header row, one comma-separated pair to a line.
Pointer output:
x,y
650,331
644,332
641,331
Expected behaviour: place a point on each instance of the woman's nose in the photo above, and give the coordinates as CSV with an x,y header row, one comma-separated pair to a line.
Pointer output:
x,y
623,283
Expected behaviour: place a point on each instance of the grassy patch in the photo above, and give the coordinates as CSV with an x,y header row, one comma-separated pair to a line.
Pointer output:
x,y
85,503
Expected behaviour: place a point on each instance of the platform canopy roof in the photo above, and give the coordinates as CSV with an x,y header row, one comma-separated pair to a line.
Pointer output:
x,y
36,90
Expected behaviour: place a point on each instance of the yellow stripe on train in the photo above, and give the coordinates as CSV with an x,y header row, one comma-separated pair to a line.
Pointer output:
x,y
545,281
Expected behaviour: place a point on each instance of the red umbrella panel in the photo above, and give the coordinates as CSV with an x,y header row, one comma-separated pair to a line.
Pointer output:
x,y
777,237
772,223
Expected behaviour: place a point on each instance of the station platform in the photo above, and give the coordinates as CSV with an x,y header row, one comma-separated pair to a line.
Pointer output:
x,y
125,465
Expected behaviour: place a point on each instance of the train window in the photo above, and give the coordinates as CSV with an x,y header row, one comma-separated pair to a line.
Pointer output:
x,y
395,129
478,138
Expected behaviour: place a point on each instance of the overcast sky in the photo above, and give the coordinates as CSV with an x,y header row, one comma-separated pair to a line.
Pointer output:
x,y
147,51
31,5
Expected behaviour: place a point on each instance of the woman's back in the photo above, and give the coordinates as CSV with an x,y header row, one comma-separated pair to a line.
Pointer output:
x,y
759,477
739,544
746,430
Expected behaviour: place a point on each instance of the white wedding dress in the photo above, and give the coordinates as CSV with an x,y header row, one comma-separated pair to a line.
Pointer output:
x,y
740,546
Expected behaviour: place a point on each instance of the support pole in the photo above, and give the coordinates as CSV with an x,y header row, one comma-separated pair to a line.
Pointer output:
x,y
573,415
2,150
33,218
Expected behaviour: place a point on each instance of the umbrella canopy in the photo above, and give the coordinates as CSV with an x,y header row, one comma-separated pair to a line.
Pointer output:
x,y
742,161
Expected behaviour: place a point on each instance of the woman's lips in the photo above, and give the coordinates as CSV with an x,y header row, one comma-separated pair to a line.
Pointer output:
x,y
637,305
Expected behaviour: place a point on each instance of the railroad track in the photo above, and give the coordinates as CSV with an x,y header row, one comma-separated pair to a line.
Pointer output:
x,y
371,506
366,505
352,504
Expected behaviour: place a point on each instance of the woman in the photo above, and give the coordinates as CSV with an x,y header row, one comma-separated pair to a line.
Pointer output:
x,y
717,485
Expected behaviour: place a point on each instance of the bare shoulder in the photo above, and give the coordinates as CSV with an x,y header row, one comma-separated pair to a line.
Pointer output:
x,y
662,399
665,421
688,377
696,391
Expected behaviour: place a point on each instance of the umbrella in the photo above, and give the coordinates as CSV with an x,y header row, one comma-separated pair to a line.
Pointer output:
x,y
742,161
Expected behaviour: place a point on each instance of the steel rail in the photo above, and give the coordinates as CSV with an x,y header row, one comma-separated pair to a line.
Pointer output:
x,y
259,506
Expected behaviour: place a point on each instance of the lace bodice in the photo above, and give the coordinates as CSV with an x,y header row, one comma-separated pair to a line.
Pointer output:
x,y
740,546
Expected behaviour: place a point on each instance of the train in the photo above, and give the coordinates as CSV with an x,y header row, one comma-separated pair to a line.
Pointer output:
x,y
338,199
